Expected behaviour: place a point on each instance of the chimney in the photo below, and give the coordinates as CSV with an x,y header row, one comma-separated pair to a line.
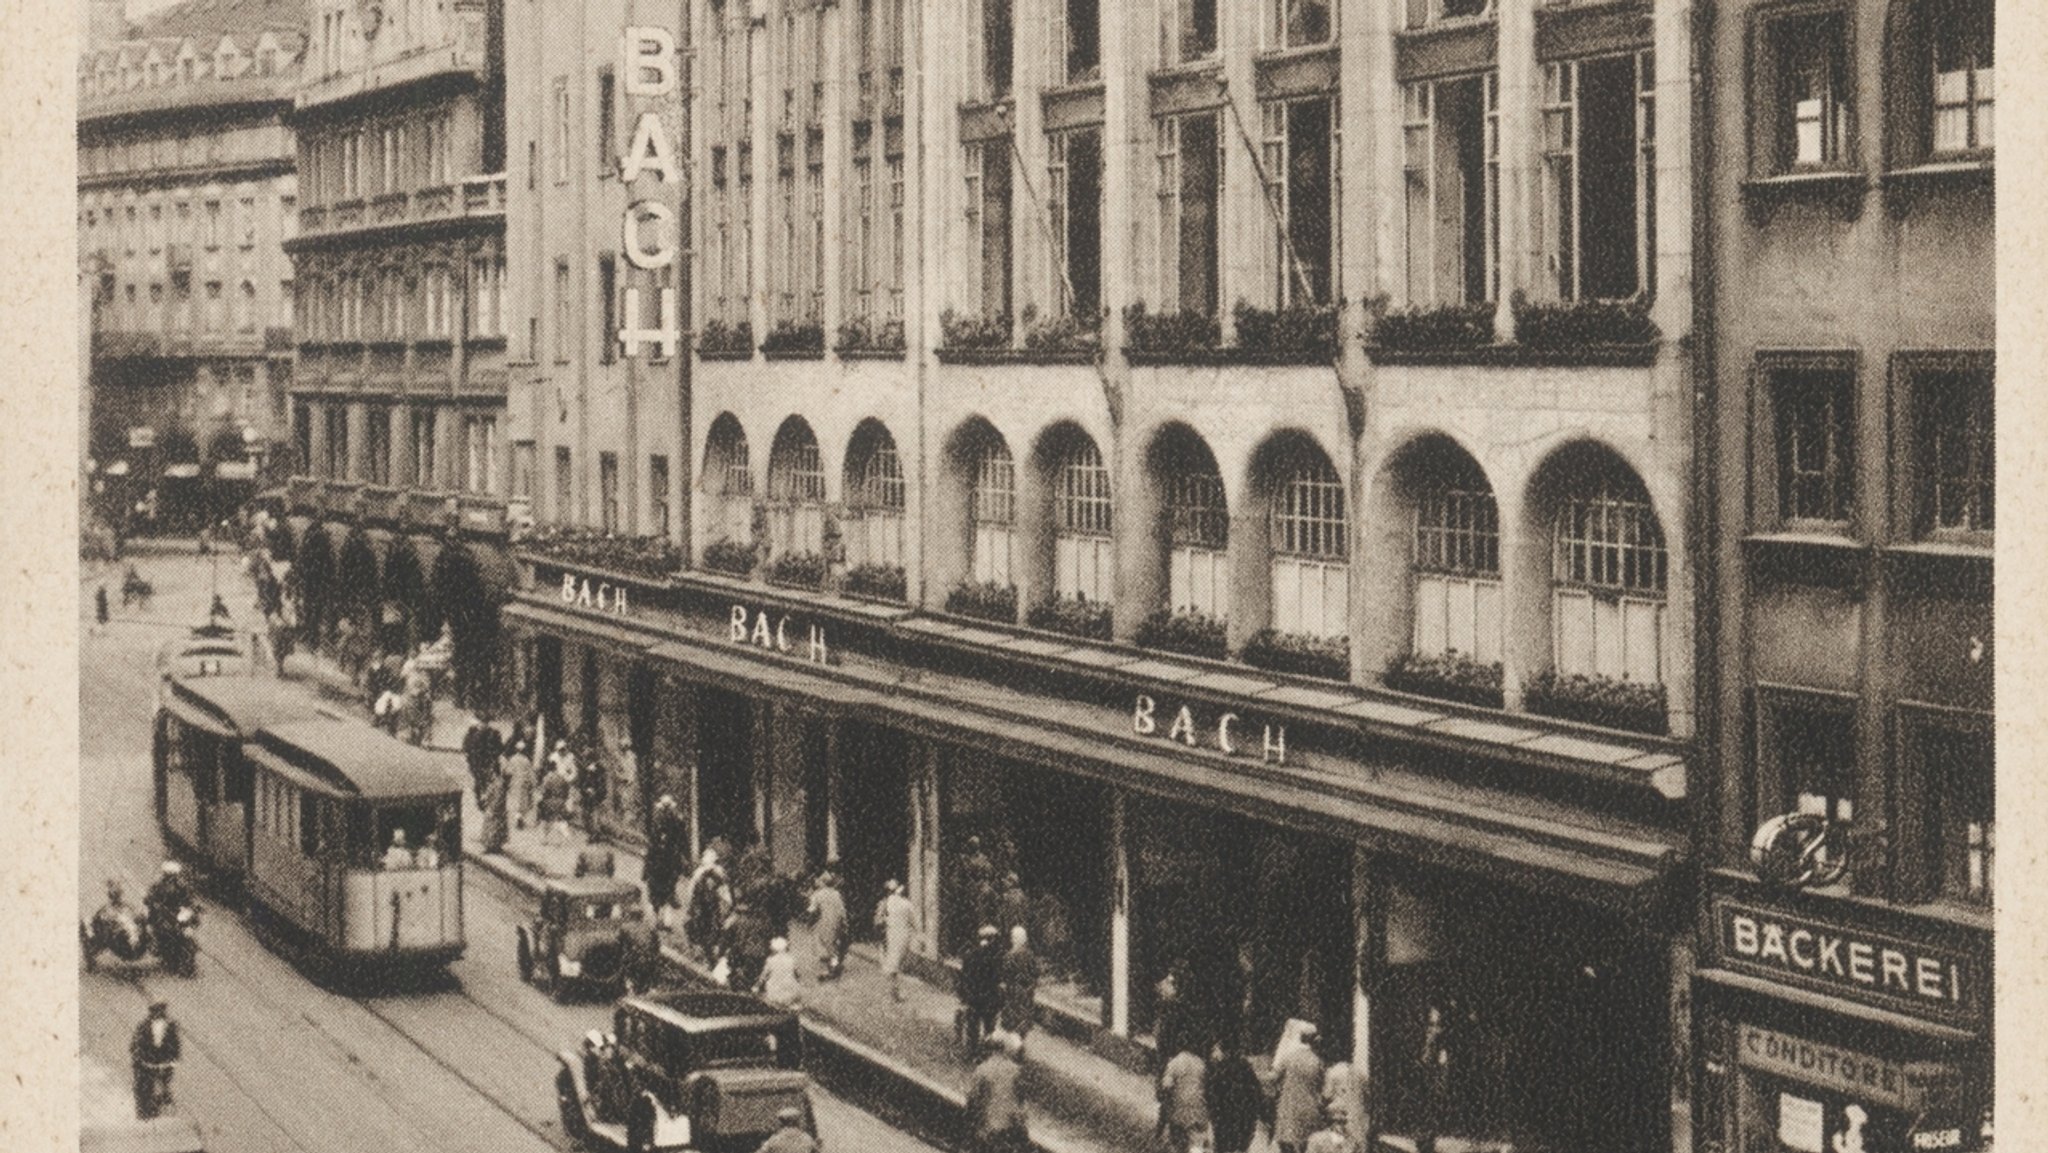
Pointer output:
x,y
106,23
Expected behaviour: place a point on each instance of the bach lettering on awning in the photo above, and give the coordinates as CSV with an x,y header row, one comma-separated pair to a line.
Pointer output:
x,y
1225,732
1916,977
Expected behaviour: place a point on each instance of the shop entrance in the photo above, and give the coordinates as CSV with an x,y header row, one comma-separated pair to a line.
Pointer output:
x,y
547,686
874,814
725,768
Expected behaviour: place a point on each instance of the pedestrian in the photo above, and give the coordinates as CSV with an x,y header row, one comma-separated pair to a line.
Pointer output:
x,y
1169,1011
995,1109
981,988
1333,1137
1013,908
497,820
706,900
976,884
555,789
896,918
625,785
1344,1097
153,1054
1236,1098
749,940
826,911
789,1135
1297,1093
520,783
665,845
1184,1102
778,984
1054,935
99,606
590,788
481,748
1020,984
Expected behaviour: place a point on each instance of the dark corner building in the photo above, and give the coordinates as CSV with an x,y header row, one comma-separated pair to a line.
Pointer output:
x,y
399,508
1844,991
1338,654
186,190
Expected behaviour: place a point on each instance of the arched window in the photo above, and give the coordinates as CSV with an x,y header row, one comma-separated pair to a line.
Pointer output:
x,y
1456,558
994,512
729,483
796,492
1198,526
1608,570
1311,546
1083,556
874,498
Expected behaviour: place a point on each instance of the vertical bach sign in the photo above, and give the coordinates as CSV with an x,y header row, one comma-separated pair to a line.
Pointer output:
x,y
650,232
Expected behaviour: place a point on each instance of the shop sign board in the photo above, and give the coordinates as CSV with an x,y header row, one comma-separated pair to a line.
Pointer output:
x,y
777,633
1923,979
1834,1067
1226,733
597,595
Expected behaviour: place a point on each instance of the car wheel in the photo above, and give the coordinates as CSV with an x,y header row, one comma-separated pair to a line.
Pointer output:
x,y
525,956
571,1108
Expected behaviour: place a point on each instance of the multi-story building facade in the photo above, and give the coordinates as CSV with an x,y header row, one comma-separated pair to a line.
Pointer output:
x,y
186,191
398,402
1847,837
1227,464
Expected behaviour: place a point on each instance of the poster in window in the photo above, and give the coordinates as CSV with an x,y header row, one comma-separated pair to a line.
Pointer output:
x,y
1801,1123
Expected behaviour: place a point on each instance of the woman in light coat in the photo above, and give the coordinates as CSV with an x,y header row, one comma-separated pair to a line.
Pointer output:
x,y
896,918
521,782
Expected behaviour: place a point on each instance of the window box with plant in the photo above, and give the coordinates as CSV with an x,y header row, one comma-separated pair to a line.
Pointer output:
x,y
1299,654
1074,616
731,557
719,340
651,558
1066,338
795,340
1190,632
1448,676
985,601
881,582
1598,700
863,339
1299,333
1575,333
802,570
1184,337
973,339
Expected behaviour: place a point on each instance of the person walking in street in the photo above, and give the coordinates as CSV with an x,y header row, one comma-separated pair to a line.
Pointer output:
x,y
153,1054
1297,1093
981,988
590,776
1013,908
1169,1011
1235,1098
497,824
555,789
99,607
1184,1102
481,747
977,888
666,837
789,1135
624,786
520,783
778,984
896,918
826,912
1344,1096
995,1109
706,901
1020,985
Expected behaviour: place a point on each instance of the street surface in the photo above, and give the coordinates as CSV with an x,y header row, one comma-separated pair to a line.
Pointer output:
x,y
274,1061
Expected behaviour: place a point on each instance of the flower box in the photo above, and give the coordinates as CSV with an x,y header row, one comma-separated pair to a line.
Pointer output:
x,y
1446,676
652,558
1293,334
1166,334
884,582
1596,700
984,600
1300,654
1437,328
860,339
960,332
803,570
1073,616
794,341
1189,632
730,557
718,340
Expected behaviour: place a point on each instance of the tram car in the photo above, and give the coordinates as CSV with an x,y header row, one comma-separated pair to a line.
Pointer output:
x,y
350,840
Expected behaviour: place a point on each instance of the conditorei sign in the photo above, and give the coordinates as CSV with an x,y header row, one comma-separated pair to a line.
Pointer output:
x,y
1923,979
1908,1086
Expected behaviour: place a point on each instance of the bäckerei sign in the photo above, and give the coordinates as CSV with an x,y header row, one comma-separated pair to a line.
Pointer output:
x,y
1923,979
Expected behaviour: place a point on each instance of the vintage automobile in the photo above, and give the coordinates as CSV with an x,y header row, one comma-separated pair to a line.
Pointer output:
x,y
591,933
686,1069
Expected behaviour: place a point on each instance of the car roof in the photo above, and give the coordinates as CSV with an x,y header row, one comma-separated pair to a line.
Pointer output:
x,y
592,886
707,1011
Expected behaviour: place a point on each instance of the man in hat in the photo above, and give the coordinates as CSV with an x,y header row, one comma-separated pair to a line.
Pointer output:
x,y
829,936
667,841
153,1052
981,987
995,1108
789,1135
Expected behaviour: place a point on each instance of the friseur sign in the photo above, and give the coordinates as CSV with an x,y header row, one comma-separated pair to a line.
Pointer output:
x,y
1920,978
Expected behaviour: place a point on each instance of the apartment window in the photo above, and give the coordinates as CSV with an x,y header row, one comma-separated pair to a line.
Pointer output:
x,y
995,511
1805,92
997,40
337,464
352,165
1198,528
863,227
1187,30
1190,192
561,141
1297,23
1074,203
988,226
1815,413
1807,762
423,436
391,143
608,491
1451,162
1957,468
212,225
245,307
377,449
1456,559
302,438
729,477
1599,152
246,222
565,486
214,320
1083,557
1298,152
796,492
439,301
657,494
487,295
1961,51
1076,35
814,215
1951,778
480,453
1311,546
523,467
607,308
607,123
1609,568
562,304
434,149
875,499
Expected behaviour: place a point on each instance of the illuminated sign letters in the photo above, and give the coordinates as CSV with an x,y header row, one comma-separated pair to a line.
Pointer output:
x,y
603,596
1227,734
650,68
1868,967
763,630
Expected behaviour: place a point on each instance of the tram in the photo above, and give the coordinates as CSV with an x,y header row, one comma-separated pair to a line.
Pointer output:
x,y
341,837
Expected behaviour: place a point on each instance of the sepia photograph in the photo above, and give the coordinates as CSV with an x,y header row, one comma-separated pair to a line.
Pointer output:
x,y
1035,576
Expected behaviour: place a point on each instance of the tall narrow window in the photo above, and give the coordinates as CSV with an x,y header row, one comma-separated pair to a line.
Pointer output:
x,y
1198,528
523,467
1963,75
1457,561
480,453
729,479
562,126
1814,100
1190,188
565,486
657,494
607,130
796,492
988,226
377,450
1298,157
1955,760
608,492
996,41
1451,147
425,463
607,308
995,512
1311,547
1816,441
1599,120
1083,41
1608,572
875,499
1958,458
562,306
1083,557
1074,203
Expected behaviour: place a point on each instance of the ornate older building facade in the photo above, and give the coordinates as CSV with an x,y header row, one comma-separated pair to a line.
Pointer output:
x,y
186,193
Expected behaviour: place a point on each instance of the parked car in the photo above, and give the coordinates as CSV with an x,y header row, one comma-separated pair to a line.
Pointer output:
x,y
686,1068
591,933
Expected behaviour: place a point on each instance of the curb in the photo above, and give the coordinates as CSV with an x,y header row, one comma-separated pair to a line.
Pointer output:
x,y
903,1087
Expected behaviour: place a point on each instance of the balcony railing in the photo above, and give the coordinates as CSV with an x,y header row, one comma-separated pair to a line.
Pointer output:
x,y
428,508
483,195
381,504
462,52
482,513
473,197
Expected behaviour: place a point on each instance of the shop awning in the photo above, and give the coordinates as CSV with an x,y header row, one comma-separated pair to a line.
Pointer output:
x,y
1616,865
574,626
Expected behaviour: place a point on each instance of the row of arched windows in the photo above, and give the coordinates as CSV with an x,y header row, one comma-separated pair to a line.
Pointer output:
x,y
1607,567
